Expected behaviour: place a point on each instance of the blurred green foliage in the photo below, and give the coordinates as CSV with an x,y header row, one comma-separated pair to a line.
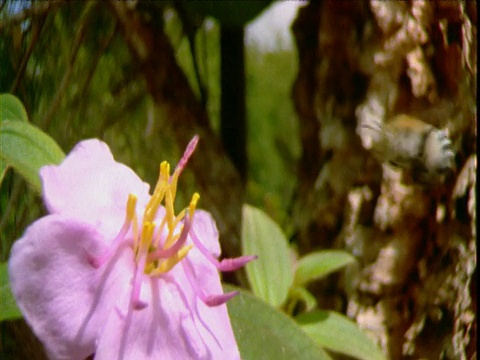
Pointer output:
x,y
79,82
273,139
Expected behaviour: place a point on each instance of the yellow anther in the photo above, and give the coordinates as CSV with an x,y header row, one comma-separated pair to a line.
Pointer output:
x,y
165,171
131,204
153,205
173,183
159,192
135,231
131,216
146,237
169,263
193,204
170,212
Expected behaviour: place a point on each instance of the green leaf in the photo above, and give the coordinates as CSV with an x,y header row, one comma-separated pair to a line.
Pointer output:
x,y
11,108
263,332
338,333
271,275
303,295
320,264
26,148
8,306
3,168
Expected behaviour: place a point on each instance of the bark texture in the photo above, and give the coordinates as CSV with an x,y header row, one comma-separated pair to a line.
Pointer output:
x,y
413,288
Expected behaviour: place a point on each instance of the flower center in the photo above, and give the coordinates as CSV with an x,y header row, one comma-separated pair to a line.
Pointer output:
x,y
159,247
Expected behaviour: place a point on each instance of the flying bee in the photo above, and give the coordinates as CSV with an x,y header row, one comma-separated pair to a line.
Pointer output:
x,y
409,143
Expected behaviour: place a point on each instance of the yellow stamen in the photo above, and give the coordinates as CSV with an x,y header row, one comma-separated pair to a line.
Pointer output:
x,y
169,208
193,204
135,232
169,263
158,193
150,237
131,203
146,238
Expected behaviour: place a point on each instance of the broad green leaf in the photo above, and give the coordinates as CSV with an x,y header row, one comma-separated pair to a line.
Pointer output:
x,y
8,306
263,332
320,264
271,275
228,12
338,333
26,148
11,108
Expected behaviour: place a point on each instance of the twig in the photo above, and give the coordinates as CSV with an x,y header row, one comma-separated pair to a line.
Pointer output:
x,y
37,29
79,37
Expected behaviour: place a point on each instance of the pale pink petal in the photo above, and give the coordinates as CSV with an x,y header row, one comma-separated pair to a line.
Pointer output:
x,y
64,299
175,325
90,186
205,228
77,309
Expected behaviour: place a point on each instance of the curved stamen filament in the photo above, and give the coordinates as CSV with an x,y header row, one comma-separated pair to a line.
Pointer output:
x,y
130,217
166,253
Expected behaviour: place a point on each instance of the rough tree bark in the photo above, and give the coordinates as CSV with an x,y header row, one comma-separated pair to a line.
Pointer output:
x,y
413,288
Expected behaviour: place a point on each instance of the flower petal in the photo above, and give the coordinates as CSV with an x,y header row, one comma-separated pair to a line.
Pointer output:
x,y
90,186
64,299
205,228
175,325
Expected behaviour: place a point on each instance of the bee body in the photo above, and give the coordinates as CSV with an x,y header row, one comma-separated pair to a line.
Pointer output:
x,y
414,145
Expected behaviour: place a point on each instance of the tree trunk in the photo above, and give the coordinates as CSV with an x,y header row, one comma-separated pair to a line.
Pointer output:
x,y
233,122
413,288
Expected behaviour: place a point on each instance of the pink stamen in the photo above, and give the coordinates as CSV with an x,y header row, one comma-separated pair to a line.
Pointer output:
x,y
186,155
226,264
97,261
209,300
233,264
138,304
172,250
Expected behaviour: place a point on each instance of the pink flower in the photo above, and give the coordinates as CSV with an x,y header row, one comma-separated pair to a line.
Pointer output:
x,y
112,271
